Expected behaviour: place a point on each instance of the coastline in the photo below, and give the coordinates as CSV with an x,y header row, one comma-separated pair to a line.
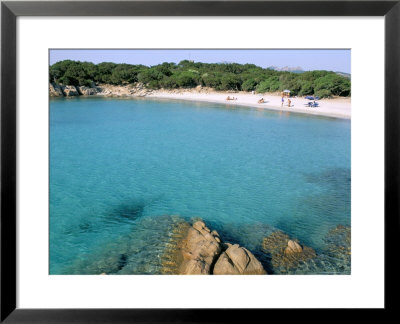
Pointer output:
x,y
335,108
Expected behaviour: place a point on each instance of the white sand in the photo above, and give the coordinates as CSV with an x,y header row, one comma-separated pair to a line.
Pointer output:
x,y
338,107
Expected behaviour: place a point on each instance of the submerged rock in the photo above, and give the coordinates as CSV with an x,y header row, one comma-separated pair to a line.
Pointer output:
x,y
340,236
237,260
334,258
293,247
338,242
172,257
137,252
285,254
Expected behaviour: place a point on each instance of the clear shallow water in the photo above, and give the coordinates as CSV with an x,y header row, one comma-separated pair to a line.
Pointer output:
x,y
118,166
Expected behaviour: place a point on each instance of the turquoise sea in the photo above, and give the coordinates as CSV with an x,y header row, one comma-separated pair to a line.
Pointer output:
x,y
123,171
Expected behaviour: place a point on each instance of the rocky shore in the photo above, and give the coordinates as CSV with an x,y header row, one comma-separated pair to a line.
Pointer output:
x,y
105,90
197,250
190,247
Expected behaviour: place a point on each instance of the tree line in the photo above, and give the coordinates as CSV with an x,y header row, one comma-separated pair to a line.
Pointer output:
x,y
189,74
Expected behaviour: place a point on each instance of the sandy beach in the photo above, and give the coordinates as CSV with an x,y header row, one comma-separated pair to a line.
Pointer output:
x,y
337,107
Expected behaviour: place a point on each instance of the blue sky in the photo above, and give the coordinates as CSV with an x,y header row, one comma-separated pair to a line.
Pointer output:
x,y
331,60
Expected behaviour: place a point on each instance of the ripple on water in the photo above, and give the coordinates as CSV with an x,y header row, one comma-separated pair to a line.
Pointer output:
x,y
137,252
115,164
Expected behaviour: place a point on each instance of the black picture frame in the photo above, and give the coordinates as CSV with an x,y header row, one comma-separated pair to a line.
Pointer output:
x,y
10,10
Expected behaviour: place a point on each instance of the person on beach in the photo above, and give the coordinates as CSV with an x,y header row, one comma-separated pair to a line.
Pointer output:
x,y
261,101
283,100
289,102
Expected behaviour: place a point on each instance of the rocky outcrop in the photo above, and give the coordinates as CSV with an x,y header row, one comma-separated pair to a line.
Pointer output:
x,y
237,260
86,91
196,250
200,250
70,91
139,90
106,90
130,90
55,90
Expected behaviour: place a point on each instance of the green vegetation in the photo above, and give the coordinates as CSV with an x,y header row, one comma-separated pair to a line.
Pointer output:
x,y
188,74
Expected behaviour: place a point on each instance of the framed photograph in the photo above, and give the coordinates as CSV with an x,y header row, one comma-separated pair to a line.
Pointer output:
x,y
160,158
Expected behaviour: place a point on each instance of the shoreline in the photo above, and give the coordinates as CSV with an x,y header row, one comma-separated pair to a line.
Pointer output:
x,y
334,108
